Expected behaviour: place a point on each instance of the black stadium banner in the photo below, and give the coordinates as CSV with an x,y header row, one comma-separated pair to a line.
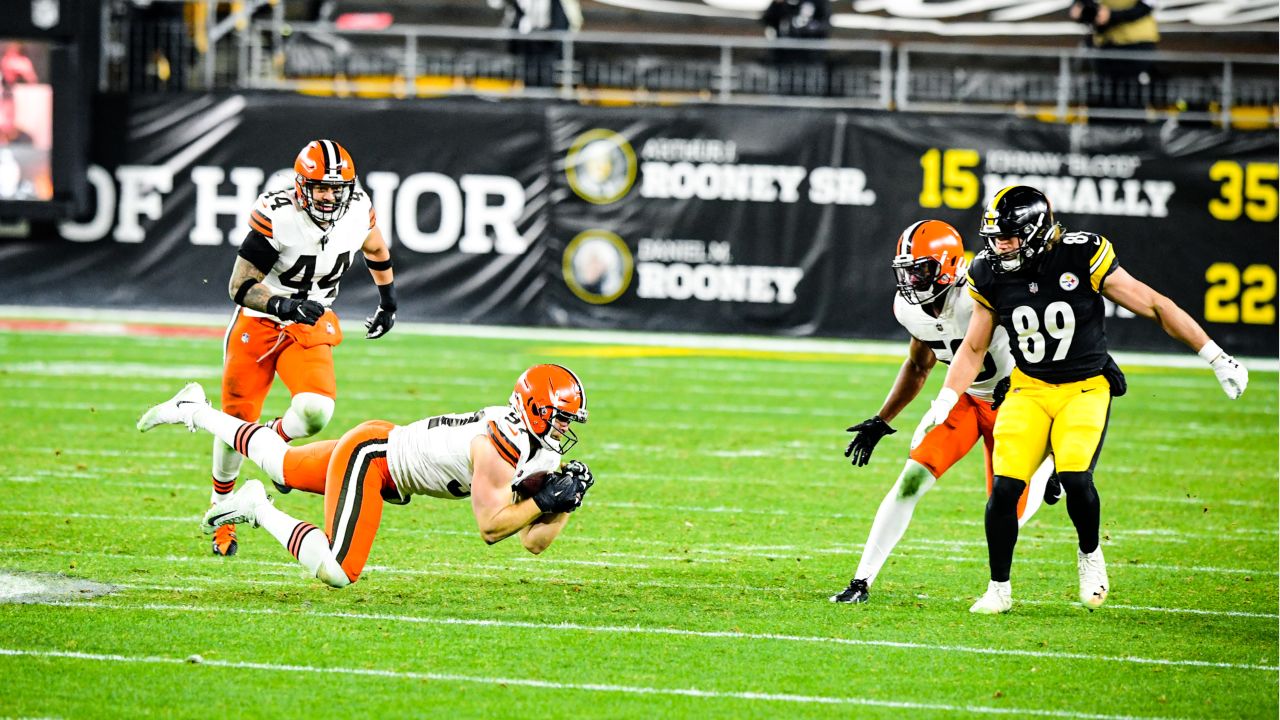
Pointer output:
x,y
701,219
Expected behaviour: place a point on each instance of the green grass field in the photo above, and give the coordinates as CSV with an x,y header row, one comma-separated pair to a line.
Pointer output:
x,y
693,582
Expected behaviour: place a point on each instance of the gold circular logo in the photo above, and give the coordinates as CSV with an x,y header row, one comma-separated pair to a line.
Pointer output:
x,y
600,166
598,266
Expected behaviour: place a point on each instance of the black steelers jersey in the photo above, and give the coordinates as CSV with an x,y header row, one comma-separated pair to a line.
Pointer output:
x,y
1052,309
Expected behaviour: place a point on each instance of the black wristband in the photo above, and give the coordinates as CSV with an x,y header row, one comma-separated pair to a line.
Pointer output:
x,y
378,264
243,291
387,296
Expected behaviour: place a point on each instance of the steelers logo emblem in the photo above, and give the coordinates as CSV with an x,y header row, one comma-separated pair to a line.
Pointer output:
x,y
1068,281
598,266
600,166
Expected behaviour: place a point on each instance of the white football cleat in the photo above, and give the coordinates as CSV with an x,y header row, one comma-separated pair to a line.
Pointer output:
x,y
1093,578
998,599
179,409
240,508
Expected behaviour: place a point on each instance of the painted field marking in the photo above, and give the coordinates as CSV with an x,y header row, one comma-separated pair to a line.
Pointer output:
x,y
245,576
675,632
751,696
193,519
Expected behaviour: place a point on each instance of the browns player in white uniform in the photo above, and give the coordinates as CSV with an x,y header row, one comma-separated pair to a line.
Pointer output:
x,y
508,460
929,265
300,243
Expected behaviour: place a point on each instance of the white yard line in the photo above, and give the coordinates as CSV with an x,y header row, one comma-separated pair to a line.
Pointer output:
x,y
678,632
526,571
750,696
804,552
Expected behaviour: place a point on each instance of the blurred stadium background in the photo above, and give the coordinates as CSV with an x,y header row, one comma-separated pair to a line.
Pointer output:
x,y
663,167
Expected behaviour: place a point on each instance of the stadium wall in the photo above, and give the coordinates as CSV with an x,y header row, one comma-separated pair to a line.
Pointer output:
x,y
690,219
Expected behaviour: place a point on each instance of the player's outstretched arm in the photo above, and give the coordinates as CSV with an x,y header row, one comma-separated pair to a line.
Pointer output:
x,y
496,516
911,378
964,368
1132,294
378,257
538,535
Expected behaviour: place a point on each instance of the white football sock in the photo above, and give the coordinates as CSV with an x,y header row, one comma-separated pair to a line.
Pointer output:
x,y
226,468
264,447
305,541
892,519
1035,490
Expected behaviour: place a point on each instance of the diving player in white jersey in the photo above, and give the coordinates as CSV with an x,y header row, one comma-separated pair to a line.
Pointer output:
x,y
929,264
508,460
300,243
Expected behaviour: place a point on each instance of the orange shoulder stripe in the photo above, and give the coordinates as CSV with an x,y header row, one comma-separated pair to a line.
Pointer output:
x,y
504,446
260,223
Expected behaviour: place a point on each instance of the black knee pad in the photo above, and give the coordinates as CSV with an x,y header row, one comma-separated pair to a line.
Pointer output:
x,y
1005,492
1076,483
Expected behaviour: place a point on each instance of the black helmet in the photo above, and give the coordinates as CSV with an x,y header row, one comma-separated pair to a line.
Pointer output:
x,y
1018,211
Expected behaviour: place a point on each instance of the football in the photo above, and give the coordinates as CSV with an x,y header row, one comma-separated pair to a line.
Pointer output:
x,y
530,484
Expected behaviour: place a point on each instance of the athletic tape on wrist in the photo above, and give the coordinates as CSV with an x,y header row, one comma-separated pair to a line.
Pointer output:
x,y
1210,352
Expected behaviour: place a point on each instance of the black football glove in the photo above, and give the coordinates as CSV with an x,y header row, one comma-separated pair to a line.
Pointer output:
x,y
380,324
307,312
868,434
581,474
560,493
997,395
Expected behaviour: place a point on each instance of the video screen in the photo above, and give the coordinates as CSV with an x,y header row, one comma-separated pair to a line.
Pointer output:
x,y
26,121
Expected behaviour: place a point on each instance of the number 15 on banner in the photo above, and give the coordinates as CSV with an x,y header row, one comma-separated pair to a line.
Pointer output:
x,y
948,178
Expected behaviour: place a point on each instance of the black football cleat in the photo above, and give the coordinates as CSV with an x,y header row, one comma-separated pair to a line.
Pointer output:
x,y
1052,490
857,592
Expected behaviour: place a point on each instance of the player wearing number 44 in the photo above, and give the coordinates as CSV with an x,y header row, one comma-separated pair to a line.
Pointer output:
x,y
300,242
506,459
1044,286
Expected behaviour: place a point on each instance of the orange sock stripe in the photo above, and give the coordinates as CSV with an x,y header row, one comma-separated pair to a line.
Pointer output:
x,y
278,426
244,435
300,532
223,487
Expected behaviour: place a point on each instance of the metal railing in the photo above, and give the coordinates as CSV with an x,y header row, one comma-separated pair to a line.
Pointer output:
x,y
429,61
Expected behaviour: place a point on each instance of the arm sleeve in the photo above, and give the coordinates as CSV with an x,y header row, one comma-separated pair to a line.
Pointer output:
x,y
258,251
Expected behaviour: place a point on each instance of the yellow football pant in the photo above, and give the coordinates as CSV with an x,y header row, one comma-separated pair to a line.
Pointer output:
x,y
1036,416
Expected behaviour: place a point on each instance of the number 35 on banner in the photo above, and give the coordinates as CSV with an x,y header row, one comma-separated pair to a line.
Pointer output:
x,y
1240,296
1249,189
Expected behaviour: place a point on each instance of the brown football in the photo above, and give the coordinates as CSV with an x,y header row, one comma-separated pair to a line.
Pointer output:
x,y
530,484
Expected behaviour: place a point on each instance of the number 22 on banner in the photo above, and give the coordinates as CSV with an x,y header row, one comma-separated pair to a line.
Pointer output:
x,y
948,179
1236,296
1251,183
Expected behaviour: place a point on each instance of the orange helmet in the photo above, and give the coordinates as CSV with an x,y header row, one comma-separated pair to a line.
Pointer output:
x,y
928,260
544,393
324,163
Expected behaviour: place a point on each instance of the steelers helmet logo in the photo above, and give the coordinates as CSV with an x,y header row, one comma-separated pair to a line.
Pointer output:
x,y
598,266
1068,281
600,166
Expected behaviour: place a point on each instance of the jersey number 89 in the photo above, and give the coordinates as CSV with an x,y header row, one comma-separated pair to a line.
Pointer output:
x,y
1059,323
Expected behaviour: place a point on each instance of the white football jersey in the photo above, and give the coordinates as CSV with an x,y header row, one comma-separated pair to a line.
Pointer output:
x,y
433,456
944,334
312,261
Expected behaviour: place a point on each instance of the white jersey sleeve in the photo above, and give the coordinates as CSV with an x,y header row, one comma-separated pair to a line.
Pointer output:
x,y
312,260
944,334
433,456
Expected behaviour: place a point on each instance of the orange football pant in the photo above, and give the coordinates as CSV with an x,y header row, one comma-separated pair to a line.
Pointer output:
x,y
352,474
969,419
256,349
